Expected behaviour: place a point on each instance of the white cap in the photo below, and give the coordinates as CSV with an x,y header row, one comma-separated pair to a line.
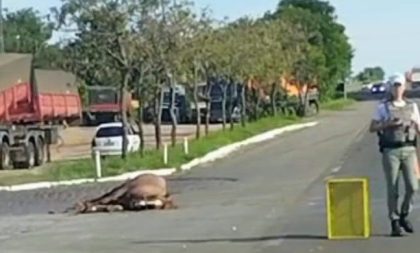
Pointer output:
x,y
397,78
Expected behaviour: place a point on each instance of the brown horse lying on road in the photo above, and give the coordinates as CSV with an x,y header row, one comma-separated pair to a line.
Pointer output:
x,y
143,192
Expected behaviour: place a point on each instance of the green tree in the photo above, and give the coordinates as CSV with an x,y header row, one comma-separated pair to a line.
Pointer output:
x,y
194,54
26,31
326,33
149,45
314,6
128,42
104,37
371,74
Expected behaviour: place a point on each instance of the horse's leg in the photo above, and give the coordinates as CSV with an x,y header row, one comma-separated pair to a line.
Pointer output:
x,y
168,203
114,208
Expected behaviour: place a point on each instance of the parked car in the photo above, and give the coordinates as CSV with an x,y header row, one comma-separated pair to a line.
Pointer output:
x,y
108,139
378,88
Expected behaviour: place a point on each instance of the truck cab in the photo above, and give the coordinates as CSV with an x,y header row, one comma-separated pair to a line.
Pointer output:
x,y
414,78
102,104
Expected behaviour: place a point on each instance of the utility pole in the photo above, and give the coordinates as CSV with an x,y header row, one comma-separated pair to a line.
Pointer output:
x,y
1,28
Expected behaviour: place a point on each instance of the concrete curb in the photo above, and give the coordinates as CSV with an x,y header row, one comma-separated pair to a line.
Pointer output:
x,y
226,150
122,177
210,157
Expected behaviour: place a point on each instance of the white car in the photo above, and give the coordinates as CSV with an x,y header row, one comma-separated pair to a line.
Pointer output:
x,y
108,139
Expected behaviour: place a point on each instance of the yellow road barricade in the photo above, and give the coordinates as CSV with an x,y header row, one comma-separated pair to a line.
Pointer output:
x,y
348,208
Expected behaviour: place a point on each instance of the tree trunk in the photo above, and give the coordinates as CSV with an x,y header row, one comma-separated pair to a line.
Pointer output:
x,y
158,117
123,105
306,98
243,105
197,109
172,109
141,129
253,103
232,88
141,97
224,89
256,98
140,122
198,114
302,102
258,105
273,96
208,106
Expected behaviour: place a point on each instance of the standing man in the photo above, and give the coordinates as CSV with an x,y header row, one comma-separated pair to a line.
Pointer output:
x,y
397,122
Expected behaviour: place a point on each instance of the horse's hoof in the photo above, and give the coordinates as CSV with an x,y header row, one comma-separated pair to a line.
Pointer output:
x,y
115,208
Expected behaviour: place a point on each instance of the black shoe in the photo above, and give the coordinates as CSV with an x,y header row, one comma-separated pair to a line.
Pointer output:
x,y
396,229
406,224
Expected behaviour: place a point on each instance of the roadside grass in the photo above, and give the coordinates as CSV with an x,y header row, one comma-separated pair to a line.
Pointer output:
x,y
153,159
337,104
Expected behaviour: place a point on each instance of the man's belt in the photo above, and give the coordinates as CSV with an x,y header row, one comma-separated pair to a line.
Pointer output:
x,y
398,144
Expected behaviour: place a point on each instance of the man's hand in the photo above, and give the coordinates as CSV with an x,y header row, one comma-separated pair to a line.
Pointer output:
x,y
376,126
393,123
417,125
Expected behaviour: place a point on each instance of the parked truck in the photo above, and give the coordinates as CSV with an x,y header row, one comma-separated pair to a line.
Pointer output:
x,y
216,102
183,111
291,97
32,104
302,99
413,77
102,104
182,105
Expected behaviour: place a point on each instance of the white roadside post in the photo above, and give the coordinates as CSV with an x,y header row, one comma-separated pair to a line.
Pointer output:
x,y
165,153
98,164
186,151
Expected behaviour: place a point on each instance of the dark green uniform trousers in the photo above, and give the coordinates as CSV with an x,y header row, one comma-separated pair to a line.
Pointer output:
x,y
397,161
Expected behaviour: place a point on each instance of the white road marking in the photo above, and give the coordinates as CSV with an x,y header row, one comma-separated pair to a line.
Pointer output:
x,y
274,243
336,170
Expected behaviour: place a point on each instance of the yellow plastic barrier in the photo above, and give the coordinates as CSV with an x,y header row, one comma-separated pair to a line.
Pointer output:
x,y
348,208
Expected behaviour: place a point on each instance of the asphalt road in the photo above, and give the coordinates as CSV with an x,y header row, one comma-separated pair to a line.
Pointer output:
x,y
266,198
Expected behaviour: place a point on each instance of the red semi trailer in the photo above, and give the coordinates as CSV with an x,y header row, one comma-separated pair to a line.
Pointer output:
x,y
32,102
